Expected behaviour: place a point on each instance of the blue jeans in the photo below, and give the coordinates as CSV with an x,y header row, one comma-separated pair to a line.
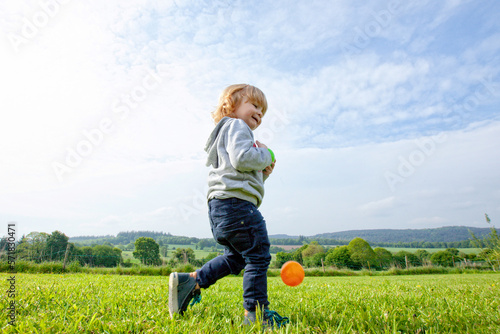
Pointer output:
x,y
240,228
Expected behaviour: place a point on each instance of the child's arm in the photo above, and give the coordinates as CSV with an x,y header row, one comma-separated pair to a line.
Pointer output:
x,y
269,169
240,148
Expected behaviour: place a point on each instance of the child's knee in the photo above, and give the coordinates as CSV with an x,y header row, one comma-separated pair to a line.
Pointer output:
x,y
259,260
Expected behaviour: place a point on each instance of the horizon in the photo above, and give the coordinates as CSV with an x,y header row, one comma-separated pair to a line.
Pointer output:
x,y
270,235
381,115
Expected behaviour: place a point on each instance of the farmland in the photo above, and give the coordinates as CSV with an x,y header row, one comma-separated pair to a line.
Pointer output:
x,y
199,254
71,303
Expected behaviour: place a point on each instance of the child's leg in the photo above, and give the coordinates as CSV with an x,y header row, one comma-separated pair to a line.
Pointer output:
x,y
257,260
229,263
239,226
220,214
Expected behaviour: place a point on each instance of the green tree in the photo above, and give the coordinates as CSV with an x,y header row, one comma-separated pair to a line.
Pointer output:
x,y
314,260
147,250
3,246
484,254
384,257
423,255
85,256
164,251
184,255
33,247
281,258
362,253
297,254
106,256
56,245
339,256
312,249
204,243
442,258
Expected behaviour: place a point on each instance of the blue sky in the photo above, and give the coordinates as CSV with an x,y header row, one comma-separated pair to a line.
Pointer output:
x,y
382,115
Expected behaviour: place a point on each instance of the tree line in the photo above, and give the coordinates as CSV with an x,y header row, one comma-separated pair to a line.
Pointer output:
x,y
379,237
358,254
43,247
126,241
399,244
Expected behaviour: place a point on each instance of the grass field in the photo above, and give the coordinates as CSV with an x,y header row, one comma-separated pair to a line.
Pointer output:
x,y
83,303
397,249
432,250
199,254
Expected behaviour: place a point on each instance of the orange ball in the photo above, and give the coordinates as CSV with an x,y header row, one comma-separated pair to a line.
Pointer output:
x,y
292,273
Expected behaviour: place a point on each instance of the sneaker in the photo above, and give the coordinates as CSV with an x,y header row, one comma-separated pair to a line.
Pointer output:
x,y
181,290
271,318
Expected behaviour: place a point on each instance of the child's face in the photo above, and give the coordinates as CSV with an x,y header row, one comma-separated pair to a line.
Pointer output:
x,y
249,113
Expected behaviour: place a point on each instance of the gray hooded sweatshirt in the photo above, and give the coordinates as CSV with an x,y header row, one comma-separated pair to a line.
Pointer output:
x,y
236,163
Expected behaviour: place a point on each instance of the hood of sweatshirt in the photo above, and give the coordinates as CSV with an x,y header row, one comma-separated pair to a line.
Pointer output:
x,y
211,145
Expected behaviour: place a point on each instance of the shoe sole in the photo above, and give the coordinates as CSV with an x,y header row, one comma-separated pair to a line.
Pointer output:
x,y
173,302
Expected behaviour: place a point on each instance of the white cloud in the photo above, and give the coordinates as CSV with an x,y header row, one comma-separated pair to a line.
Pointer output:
x,y
379,205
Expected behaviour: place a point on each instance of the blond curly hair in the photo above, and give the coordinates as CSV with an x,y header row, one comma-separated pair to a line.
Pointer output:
x,y
233,95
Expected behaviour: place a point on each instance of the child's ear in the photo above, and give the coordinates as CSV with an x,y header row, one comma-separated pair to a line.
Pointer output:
x,y
226,110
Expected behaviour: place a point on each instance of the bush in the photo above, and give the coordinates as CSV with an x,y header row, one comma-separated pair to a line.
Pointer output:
x,y
4,266
126,264
187,268
361,253
315,272
339,257
384,257
51,267
281,258
165,271
314,260
401,257
74,267
23,266
423,255
312,249
442,258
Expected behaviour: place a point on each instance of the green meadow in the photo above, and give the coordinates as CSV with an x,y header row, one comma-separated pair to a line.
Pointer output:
x,y
87,303
199,253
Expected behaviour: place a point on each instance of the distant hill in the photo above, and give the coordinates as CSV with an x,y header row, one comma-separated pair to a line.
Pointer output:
x,y
441,234
283,236
448,234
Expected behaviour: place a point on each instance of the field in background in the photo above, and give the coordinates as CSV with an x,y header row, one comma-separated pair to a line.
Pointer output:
x,y
199,254
432,250
72,303
395,249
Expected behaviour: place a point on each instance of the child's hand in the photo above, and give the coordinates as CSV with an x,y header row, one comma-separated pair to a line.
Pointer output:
x,y
269,169
259,144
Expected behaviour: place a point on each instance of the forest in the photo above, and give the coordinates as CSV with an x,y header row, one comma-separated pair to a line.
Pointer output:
x,y
444,237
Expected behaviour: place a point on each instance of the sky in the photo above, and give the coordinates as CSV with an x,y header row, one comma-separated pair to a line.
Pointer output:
x,y
381,115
